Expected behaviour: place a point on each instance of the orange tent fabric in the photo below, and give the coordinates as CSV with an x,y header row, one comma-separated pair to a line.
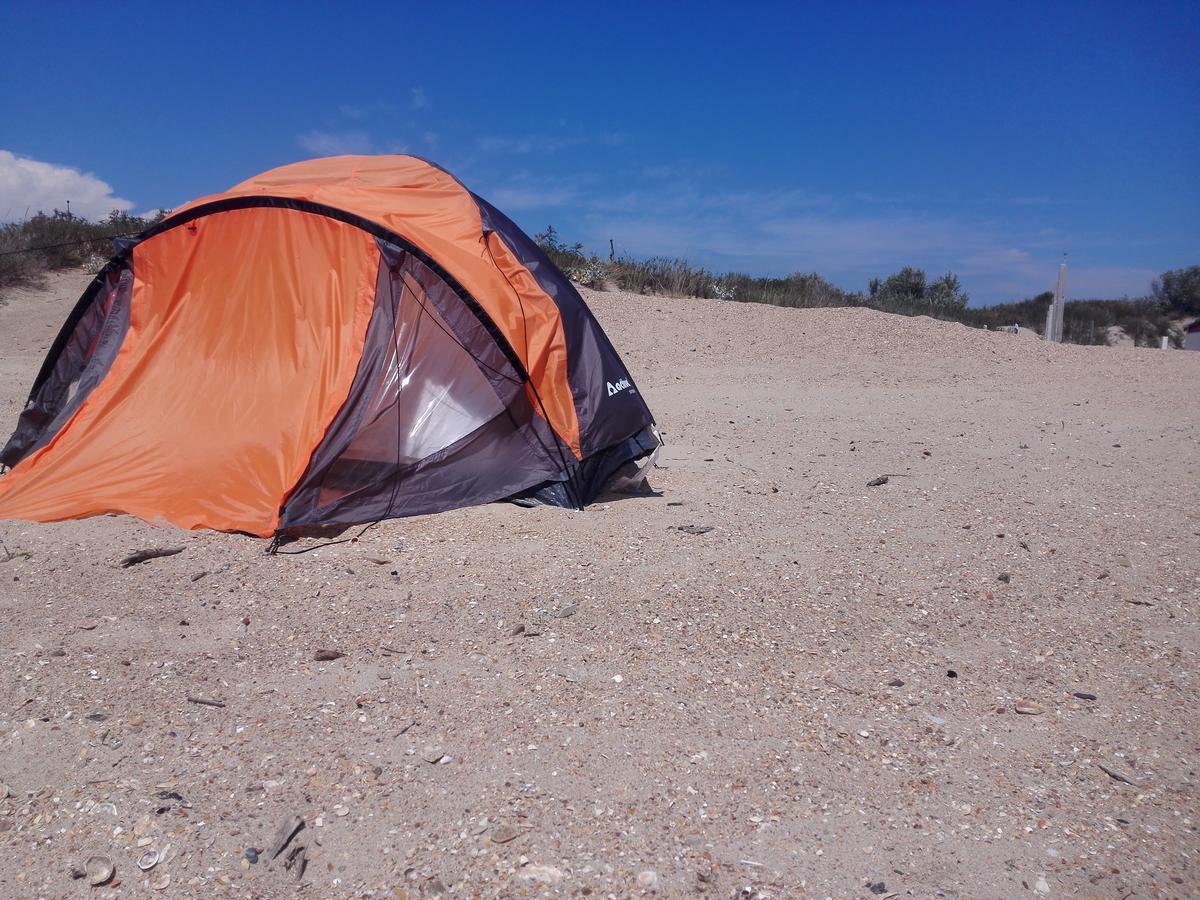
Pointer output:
x,y
432,209
150,439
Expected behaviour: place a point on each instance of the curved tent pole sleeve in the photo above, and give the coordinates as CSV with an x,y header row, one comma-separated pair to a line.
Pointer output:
x,y
568,471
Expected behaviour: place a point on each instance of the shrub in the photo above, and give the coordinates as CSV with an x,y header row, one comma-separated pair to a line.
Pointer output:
x,y
908,293
60,240
1179,289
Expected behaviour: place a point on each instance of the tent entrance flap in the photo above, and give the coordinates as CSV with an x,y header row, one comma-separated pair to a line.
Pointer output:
x,y
437,417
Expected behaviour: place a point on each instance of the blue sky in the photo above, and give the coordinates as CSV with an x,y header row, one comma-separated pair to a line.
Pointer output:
x,y
987,139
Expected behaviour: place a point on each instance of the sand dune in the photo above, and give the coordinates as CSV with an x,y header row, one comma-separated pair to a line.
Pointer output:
x,y
977,679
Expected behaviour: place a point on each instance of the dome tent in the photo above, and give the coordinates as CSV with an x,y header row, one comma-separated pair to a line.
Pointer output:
x,y
329,343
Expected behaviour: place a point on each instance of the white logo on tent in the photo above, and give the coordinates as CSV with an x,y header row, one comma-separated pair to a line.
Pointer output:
x,y
622,385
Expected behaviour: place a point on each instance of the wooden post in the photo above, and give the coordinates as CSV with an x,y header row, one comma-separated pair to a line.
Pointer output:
x,y
1054,315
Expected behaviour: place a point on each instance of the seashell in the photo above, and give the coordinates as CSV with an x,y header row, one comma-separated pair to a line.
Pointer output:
x,y
100,870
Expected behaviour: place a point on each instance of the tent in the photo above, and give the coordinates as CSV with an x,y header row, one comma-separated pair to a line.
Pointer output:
x,y
332,342
1191,338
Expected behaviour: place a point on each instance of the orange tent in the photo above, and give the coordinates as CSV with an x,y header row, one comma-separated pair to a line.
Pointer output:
x,y
331,342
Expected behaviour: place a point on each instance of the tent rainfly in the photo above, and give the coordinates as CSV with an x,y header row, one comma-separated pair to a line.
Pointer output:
x,y
330,343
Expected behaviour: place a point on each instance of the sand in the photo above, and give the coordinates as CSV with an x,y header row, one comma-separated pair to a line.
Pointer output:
x,y
821,696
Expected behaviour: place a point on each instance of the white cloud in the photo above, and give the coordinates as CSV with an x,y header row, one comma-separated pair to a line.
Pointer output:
x,y
521,146
781,233
1032,200
543,143
1086,282
418,99
887,199
523,198
369,109
29,186
336,143
794,230
850,250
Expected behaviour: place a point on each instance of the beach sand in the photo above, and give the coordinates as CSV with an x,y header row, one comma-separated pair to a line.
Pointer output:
x,y
976,680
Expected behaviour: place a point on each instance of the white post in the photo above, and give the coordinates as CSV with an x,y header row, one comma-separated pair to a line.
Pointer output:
x,y
1165,345
1060,300
1054,315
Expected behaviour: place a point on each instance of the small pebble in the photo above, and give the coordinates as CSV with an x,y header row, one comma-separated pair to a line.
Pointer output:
x,y
541,874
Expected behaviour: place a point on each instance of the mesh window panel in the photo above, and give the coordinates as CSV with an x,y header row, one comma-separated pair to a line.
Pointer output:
x,y
437,416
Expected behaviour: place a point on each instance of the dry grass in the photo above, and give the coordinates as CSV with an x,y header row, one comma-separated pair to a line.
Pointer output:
x,y
50,242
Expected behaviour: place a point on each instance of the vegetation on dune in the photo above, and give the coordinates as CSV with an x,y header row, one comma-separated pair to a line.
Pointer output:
x,y
908,292
677,277
1144,320
60,240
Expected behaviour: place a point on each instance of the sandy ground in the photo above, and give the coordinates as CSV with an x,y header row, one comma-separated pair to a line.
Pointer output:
x,y
818,697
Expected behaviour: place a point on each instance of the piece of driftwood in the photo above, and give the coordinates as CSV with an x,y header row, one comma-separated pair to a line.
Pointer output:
x,y
205,701
288,829
142,556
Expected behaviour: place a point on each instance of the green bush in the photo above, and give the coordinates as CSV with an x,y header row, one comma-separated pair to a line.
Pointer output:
x,y
60,240
908,293
1179,289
